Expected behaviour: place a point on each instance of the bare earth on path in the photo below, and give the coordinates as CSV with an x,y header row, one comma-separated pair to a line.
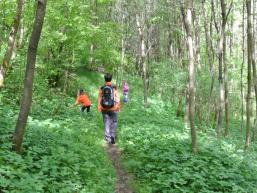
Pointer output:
x,y
122,177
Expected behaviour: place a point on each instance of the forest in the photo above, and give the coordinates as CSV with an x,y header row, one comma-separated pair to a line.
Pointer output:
x,y
190,122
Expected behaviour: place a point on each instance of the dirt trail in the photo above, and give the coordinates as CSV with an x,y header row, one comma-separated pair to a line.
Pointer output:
x,y
122,177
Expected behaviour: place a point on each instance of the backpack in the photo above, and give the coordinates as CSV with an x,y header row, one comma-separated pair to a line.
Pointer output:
x,y
107,100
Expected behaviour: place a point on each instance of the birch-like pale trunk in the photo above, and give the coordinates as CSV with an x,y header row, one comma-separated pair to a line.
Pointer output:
x,y
11,42
187,18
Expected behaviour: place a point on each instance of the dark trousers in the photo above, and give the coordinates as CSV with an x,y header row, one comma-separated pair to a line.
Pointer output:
x,y
85,107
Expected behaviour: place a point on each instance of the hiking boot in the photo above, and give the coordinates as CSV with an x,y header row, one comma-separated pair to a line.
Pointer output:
x,y
112,140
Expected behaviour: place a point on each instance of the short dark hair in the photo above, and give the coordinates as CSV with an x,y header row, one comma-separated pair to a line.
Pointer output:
x,y
108,77
81,91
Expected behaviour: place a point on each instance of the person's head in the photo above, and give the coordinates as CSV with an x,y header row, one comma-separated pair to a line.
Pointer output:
x,y
108,77
81,91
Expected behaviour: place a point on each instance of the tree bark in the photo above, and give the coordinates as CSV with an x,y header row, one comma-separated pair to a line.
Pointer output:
x,y
254,70
187,18
249,64
123,43
143,58
12,37
225,15
29,75
209,52
223,93
241,72
93,45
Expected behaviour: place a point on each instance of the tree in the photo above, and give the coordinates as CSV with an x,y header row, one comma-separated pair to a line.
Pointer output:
x,y
29,75
254,69
12,37
187,18
223,88
142,55
248,5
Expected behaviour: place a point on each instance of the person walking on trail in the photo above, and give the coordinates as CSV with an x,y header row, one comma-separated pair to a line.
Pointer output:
x,y
125,91
109,106
83,99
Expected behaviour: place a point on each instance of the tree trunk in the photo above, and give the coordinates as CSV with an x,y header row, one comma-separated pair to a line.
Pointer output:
x,y
143,58
179,108
187,18
123,43
254,70
249,79
186,116
93,45
221,84
241,72
197,38
223,92
209,53
224,21
29,75
8,54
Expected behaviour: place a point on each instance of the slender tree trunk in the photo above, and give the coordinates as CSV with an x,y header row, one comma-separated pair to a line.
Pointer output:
x,y
123,43
224,20
179,108
226,90
220,31
197,38
143,58
12,37
186,116
93,45
254,71
223,92
29,75
209,53
187,18
221,85
231,39
21,32
242,70
249,79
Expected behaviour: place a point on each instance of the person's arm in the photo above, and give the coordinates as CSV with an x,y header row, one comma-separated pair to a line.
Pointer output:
x,y
77,100
99,106
117,100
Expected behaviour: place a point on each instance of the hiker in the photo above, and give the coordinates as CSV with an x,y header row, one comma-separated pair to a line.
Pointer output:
x,y
125,91
109,106
83,99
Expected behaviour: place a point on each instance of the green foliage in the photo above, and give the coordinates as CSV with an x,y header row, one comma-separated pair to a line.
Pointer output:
x,y
157,151
62,150
162,74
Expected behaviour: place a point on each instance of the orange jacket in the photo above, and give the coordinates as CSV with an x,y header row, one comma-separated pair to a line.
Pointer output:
x,y
83,99
116,106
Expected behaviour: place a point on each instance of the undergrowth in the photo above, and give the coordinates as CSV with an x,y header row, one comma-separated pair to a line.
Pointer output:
x,y
63,150
156,150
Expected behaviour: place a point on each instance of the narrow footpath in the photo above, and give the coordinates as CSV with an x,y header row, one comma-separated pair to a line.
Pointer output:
x,y
122,177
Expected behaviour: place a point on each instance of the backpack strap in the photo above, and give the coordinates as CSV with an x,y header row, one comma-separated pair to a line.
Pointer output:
x,y
105,86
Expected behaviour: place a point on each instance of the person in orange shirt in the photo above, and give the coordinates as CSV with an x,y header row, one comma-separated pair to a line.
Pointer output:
x,y
109,106
83,99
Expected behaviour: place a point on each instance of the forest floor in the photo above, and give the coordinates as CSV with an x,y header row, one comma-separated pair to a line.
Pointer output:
x,y
64,150
122,182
